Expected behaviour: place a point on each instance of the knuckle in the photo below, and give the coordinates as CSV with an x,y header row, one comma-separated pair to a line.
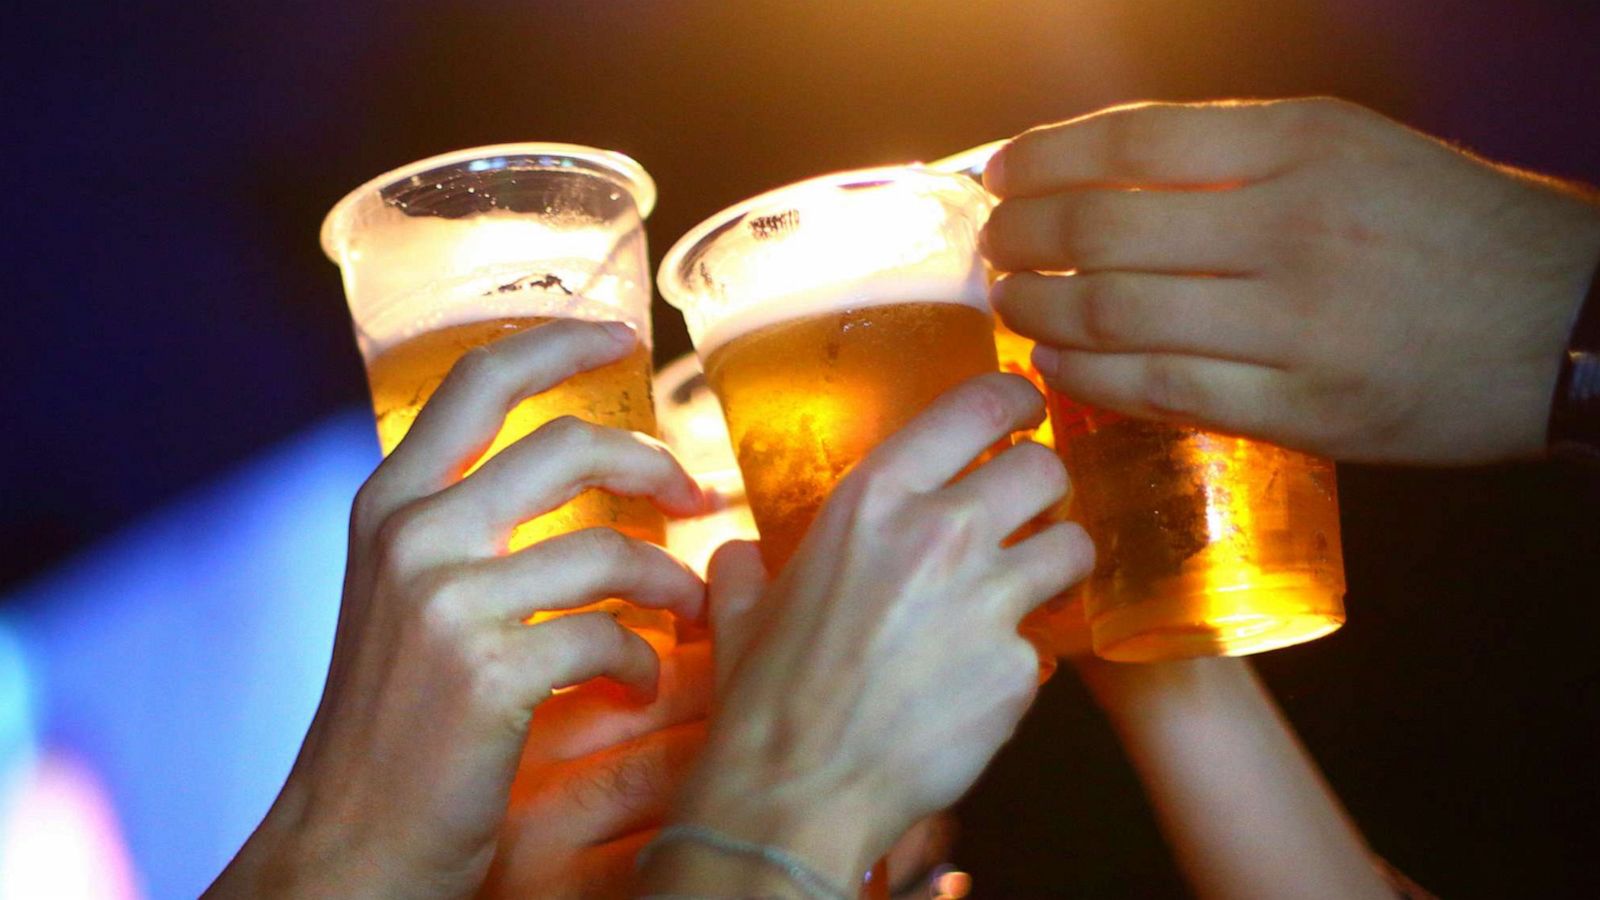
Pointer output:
x,y
571,434
1171,388
440,601
1021,671
942,525
371,503
1134,136
603,634
878,494
1104,311
478,366
606,543
1324,124
1089,225
404,537
990,401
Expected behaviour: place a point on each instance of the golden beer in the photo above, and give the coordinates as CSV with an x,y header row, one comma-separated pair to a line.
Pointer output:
x,y
806,399
448,253
1207,544
1057,628
617,395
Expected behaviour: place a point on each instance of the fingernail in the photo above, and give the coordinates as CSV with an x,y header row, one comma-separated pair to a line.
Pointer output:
x,y
997,292
994,173
1047,360
711,499
622,332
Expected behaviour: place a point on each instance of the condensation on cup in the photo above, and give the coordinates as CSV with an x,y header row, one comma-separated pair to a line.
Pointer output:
x,y
1207,544
452,252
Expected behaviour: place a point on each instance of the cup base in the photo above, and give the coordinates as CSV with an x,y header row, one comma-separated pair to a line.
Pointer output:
x,y
1234,623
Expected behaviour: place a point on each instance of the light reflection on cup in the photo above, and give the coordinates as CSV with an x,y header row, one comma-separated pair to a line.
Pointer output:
x,y
691,424
1208,544
452,252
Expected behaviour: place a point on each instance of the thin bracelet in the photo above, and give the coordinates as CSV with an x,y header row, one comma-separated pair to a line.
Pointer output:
x,y
793,868
1574,431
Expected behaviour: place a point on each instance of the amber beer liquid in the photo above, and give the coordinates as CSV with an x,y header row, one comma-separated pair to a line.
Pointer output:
x,y
1057,628
453,252
806,399
1208,544
617,395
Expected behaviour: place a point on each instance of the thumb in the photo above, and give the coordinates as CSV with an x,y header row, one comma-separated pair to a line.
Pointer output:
x,y
735,581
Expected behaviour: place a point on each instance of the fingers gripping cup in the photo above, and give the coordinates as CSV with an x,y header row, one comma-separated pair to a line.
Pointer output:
x,y
1207,544
1056,628
827,314
452,252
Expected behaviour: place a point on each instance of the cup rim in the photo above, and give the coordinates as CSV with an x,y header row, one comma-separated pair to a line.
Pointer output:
x,y
969,162
671,286
624,170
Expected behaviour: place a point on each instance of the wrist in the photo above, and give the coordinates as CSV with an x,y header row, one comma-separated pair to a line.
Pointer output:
x,y
268,865
834,832
1131,693
289,855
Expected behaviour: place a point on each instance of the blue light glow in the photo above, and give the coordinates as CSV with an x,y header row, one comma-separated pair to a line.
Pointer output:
x,y
183,659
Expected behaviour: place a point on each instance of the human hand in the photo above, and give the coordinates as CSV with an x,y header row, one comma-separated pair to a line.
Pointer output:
x,y
402,781
1303,271
596,778
871,681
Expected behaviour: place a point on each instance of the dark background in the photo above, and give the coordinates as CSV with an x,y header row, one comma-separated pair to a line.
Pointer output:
x,y
167,313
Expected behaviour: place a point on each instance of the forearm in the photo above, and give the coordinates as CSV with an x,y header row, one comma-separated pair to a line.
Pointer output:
x,y
287,856
1244,807
744,842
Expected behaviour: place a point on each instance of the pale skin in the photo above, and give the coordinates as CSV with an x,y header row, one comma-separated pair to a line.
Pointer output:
x,y
1303,271
1240,801
439,763
868,683
402,784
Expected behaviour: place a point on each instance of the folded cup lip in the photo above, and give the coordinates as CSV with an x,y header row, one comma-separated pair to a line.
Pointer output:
x,y
970,162
673,285
622,169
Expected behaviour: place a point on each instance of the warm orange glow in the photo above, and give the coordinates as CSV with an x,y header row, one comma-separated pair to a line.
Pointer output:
x,y
1016,357
617,395
692,426
1207,544
807,399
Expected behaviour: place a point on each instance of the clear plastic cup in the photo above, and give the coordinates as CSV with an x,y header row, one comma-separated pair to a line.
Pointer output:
x,y
452,252
827,314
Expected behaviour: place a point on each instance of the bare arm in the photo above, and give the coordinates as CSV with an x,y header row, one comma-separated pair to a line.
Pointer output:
x,y
1242,804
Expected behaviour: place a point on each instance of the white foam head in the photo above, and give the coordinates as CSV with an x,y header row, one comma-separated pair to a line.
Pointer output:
x,y
511,230
850,240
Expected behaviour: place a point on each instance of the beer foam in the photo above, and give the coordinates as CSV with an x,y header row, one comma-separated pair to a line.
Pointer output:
x,y
883,290
850,240
487,296
407,275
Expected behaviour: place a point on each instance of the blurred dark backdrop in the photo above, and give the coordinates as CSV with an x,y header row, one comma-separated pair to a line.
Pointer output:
x,y
167,313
